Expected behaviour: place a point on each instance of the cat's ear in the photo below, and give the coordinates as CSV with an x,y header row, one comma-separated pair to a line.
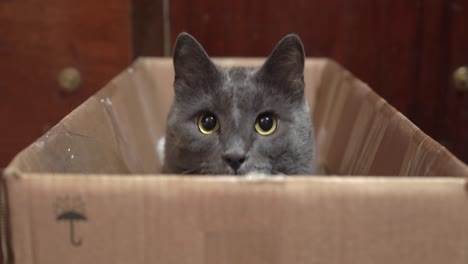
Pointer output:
x,y
285,65
191,63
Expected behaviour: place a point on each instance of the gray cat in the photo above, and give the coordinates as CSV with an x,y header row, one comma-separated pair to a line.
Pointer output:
x,y
239,120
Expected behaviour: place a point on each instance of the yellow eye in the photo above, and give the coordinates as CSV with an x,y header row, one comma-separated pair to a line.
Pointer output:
x,y
266,124
208,124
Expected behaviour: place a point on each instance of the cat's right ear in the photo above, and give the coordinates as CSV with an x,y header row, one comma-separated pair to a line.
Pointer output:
x,y
192,65
285,65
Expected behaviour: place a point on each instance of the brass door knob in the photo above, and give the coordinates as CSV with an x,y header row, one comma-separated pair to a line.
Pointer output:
x,y
69,79
460,79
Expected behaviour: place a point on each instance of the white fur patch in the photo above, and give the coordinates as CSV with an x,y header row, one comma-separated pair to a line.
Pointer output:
x,y
160,149
261,176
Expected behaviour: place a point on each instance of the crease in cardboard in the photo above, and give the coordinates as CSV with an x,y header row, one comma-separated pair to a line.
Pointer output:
x,y
30,227
4,221
376,127
428,168
352,152
5,226
73,136
329,120
121,137
413,162
143,226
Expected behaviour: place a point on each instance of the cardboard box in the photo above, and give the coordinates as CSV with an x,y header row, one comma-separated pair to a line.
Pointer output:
x,y
86,191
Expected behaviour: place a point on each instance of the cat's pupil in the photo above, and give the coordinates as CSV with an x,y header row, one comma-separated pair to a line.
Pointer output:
x,y
208,122
265,122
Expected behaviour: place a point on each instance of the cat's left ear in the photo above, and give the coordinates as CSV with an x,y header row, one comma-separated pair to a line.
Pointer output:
x,y
285,65
191,62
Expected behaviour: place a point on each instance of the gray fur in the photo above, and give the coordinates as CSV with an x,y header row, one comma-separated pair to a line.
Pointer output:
x,y
237,96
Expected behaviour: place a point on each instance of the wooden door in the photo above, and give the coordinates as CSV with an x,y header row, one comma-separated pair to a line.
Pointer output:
x,y
39,38
405,50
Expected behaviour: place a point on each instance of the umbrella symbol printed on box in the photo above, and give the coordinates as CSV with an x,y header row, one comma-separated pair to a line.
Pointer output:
x,y
71,210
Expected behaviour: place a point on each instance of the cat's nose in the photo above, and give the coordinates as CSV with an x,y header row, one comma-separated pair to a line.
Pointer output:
x,y
234,159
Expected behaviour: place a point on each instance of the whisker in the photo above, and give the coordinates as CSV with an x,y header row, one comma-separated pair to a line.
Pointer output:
x,y
188,171
278,173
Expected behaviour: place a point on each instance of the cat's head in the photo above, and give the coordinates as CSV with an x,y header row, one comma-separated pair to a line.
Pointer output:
x,y
239,120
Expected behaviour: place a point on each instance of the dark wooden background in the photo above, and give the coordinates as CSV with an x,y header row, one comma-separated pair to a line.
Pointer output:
x,y
406,50
38,38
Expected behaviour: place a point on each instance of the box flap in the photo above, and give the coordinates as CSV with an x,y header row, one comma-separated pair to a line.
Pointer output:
x,y
359,133
119,219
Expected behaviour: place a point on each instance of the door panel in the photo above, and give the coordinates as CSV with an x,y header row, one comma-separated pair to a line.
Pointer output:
x,y
454,120
38,38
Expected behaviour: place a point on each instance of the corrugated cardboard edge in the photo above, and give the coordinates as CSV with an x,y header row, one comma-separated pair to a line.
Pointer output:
x,y
4,230
5,235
